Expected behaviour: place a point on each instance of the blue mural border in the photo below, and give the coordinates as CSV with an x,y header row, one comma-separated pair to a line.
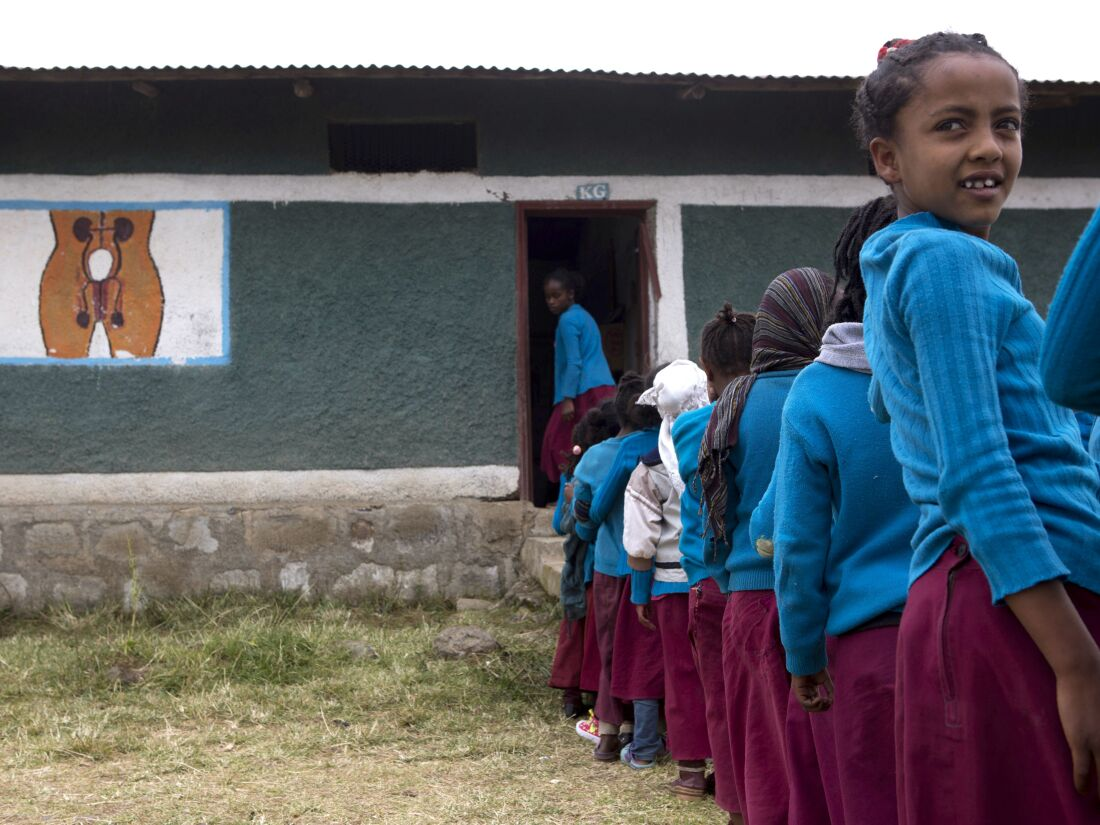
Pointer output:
x,y
162,206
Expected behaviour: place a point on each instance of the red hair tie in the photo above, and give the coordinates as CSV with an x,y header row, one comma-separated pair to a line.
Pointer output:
x,y
892,46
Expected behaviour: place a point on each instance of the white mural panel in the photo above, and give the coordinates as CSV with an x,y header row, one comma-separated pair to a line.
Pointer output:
x,y
114,283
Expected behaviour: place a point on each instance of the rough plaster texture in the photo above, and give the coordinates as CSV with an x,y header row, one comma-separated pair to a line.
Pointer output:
x,y
354,327
732,253
83,555
525,127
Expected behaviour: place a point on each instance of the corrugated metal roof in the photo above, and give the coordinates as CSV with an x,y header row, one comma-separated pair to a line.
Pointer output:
x,y
714,82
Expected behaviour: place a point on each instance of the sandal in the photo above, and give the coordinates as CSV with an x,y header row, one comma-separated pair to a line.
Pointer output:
x,y
627,757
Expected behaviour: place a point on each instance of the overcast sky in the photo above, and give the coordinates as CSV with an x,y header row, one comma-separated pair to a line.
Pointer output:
x,y
1049,40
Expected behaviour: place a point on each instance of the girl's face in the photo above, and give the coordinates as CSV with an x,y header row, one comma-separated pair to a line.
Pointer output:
x,y
558,298
956,148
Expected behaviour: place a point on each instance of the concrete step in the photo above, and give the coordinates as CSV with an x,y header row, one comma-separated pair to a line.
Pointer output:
x,y
550,576
542,557
543,522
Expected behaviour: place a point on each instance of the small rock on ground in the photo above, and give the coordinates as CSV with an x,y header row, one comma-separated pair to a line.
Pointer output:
x,y
461,641
526,593
358,650
473,604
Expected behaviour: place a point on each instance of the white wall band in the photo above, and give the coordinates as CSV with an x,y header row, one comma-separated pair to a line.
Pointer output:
x,y
368,487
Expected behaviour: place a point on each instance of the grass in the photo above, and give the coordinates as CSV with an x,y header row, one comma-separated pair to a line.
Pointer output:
x,y
242,710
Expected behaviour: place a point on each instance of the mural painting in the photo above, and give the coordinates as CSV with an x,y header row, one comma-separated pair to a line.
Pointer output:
x,y
101,272
105,284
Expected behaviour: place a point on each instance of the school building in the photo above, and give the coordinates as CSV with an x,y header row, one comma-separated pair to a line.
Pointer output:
x,y
282,328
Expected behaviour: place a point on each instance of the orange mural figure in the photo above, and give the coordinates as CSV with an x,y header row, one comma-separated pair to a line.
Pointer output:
x,y
101,272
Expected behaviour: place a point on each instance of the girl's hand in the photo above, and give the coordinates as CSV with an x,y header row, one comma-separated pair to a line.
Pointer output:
x,y
1055,626
568,493
1079,709
643,616
814,692
567,409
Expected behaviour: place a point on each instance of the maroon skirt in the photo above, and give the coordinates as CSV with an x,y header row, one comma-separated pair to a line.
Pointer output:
x,y
707,605
607,593
978,736
590,664
557,441
685,707
638,671
757,692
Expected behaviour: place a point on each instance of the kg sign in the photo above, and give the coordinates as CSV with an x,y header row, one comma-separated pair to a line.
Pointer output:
x,y
593,192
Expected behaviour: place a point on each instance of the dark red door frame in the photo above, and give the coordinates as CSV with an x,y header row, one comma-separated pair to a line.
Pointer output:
x,y
563,209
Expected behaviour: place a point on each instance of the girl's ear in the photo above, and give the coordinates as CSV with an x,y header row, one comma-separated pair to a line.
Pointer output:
x,y
884,154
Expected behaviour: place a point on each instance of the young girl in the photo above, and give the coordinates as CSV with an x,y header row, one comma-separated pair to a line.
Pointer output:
x,y
651,536
576,667
841,541
998,665
736,460
725,348
598,506
582,379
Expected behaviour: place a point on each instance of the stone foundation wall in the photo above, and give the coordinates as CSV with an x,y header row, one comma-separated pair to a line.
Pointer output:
x,y
84,555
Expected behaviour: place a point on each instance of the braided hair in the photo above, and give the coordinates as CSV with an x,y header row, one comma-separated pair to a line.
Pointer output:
x,y
725,344
863,223
899,75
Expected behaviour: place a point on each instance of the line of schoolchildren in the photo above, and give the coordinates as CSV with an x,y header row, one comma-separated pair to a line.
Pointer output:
x,y
856,556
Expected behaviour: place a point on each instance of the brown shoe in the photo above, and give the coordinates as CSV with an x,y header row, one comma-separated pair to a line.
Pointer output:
x,y
608,749
691,784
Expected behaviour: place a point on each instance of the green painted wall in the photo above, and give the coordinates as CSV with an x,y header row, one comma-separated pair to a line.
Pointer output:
x,y
525,127
732,253
354,334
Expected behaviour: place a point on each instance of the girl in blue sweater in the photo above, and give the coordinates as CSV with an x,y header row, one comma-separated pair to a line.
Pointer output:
x,y
998,663
1071,344
841,541
599,485
736,460
582,379
725,350
576,666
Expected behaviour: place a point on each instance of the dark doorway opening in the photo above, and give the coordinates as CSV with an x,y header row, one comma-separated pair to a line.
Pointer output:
x,y
609,247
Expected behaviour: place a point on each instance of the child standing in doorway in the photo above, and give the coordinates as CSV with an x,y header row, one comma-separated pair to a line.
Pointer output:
x,y
582,378
998,664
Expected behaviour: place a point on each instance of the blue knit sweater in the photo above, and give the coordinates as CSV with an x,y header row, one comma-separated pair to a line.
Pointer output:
x,y
749,469
602,485
1071,345
698,554
843,520
557,523
579,362
954,346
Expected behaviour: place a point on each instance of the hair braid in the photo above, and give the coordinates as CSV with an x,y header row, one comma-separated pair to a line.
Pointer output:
x,y
863,223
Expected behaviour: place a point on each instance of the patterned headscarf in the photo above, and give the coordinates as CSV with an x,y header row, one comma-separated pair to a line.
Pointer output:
x,y
789,325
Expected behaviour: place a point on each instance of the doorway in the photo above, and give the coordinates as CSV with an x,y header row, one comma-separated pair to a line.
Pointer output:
x,y
608,244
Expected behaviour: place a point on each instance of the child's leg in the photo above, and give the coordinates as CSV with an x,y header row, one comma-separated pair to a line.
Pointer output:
x,y
863,667
976,708
606,596
565,672
707,604
647,745
753,661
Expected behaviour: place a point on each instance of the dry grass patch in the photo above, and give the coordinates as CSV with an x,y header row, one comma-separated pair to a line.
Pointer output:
x,y
240,710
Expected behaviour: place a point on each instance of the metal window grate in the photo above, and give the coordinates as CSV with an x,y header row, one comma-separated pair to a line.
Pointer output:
x,y
402,147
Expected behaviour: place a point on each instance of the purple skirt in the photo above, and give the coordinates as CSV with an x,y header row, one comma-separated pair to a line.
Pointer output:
x,y
978,736
685,706
638,671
